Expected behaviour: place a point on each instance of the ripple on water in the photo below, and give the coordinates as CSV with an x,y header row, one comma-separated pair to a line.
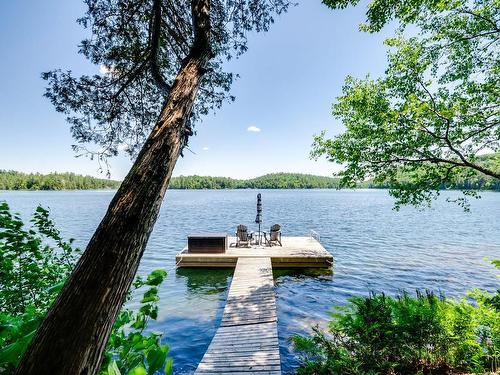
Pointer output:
x,y
374,248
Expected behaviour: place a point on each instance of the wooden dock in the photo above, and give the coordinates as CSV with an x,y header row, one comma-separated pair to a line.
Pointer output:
x,y
295,252
247,339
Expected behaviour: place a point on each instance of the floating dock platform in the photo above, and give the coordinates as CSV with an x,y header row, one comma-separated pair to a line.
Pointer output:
x,y
296,252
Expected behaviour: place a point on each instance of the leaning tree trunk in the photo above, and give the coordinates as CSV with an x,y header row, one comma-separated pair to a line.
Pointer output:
x,y
74,334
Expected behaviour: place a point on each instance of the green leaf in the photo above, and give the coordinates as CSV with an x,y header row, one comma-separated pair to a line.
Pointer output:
x,y
56,288
156,277
113,369
151,295
156,358
169,366
150,310
140,321
11,354
139,370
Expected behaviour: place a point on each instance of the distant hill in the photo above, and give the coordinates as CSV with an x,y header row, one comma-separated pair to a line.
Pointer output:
x,y
268,181
476,180
12,180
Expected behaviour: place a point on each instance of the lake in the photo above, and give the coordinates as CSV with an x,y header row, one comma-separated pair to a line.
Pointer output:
x,y
375,249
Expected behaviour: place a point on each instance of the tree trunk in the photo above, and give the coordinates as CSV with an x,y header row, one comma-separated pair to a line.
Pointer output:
x,y
74,334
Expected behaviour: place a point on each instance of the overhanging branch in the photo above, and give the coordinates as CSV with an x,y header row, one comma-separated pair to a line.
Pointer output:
x,y
155,46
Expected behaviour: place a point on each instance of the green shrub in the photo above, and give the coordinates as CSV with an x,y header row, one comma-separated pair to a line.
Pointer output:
x,y
420,334
130,350
486,298
34,264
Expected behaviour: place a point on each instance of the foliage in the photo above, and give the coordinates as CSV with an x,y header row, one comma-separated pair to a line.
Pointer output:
x,y
463,181
419,334
268,181
12,180
130,350
16,332
140,46
380,12
436,108
34,263
486,298
31,268
305,181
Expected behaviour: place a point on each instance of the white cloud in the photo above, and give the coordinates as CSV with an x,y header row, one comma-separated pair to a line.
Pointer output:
x,y
205,148
253,129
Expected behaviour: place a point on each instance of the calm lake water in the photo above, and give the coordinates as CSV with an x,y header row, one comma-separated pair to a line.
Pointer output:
x,y
374,249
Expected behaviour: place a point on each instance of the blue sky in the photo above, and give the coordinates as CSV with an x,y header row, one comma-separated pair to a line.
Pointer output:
x,y
289,78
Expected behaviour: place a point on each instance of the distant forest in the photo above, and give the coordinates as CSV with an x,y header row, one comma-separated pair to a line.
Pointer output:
x,y
268,181
305,181
476,181
11,180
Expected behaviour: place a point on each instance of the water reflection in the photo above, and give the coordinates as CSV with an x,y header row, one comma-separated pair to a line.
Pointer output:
x,y
374,248
297,273
204,282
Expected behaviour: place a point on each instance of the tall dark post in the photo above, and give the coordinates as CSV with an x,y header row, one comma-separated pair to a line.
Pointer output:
x,y
258,218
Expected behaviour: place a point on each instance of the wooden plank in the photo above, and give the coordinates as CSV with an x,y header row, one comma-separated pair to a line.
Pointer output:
x,y
241,319
247,339
243,329
247,368
259,354
251,341
241,337
262,334
240,350
243,345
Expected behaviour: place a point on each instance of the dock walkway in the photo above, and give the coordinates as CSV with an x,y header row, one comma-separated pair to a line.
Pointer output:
x,y
247,339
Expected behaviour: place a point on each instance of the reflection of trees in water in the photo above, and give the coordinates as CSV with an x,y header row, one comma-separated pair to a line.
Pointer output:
x,y
281,275
215,281
202,282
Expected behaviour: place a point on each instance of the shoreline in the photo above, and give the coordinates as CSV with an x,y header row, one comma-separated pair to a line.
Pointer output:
x,y
226,189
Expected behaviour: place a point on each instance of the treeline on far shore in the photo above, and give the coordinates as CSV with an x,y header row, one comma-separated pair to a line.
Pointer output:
x,y
12,180
304,181
477,181
268,181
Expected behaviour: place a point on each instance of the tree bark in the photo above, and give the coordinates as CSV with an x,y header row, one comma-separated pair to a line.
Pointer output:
x,y
74,334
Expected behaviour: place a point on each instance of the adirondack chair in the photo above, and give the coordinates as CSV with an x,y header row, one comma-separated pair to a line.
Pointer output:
x,y
274,236
243,238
